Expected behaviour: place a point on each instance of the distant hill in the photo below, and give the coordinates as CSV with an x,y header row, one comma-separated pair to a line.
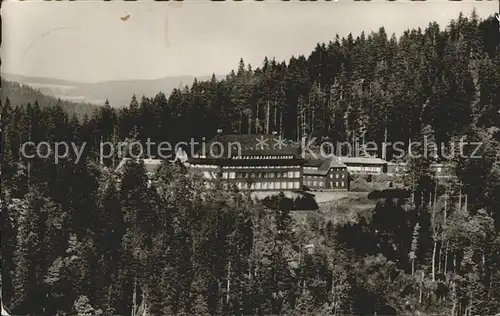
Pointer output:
x,y
119,93
21,95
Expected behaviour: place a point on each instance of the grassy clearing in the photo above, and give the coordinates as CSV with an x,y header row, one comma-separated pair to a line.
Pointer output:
x,y
345,208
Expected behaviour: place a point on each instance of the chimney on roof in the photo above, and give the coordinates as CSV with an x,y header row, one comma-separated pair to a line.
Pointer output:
x,y
219,131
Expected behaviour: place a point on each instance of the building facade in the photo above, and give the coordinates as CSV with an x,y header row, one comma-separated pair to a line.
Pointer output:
x,y
396,168
326,175
364,165
440,170
251,162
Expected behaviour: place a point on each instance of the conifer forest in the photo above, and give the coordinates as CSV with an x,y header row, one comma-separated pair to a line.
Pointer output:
x,y
80,239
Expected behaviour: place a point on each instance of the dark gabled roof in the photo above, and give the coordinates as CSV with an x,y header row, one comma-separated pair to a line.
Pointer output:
x,y
322,165
313,163
245,162
249,145
315,172
338,165
394,163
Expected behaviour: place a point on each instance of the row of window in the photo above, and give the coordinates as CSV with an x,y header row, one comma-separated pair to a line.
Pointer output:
x,y
263,157
374,170
254,175
262,167
337,184
261,175
204,166
245,167
314,183
320,184
331,168
365,168
313,177
283,185
266,175
337,176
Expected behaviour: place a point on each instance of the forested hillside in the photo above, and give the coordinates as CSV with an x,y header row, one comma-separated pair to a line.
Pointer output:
x,y
118,92
79,240
22,95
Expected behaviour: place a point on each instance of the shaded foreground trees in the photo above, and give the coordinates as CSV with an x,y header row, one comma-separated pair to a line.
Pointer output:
x,y
173,246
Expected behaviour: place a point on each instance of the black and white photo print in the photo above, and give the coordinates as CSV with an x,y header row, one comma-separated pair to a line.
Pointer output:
x,y
230,158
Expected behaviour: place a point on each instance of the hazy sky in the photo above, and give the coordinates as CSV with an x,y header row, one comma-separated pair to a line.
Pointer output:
x,y
87,41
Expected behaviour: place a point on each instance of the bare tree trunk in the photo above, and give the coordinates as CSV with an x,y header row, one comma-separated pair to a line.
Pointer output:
x,y
384,148
249,123
440,257
453,309
250,258
29,171
228,282
298,124
445,264
430,203
143,307
134,297
434,259
435,233
112,158
469,303
312,122
420,294
445,207
257,123
460,199
332,294
483,259
454,262
446,257
267,118
275,116
435,193
354,145
281,123
241,121
193,253
145,301
303,117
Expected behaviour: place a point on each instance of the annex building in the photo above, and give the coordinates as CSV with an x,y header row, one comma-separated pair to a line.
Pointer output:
x,y
327,174
364,165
